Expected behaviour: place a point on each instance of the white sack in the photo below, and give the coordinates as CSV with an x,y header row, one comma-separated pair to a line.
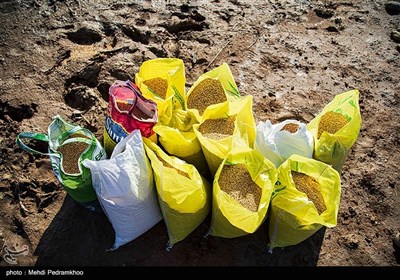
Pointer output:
x,y
125,189
278,146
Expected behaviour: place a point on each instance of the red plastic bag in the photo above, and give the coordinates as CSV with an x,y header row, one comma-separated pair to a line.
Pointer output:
x,y
128,110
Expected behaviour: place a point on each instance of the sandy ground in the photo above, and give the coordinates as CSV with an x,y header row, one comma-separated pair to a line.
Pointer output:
x,y
293,56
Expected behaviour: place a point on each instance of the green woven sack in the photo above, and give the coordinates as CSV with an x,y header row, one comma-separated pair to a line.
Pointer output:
x,y
77,185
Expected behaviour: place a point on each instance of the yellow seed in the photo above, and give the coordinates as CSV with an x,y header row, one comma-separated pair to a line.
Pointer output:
x,y
124,106
291,127
218,128
311,188
70,156
331,122
206,93
166,164
158,85
236,181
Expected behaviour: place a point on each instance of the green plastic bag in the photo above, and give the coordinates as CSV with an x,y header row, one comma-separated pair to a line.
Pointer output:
x,y
184,196
333,149
231,219
293,217
78,185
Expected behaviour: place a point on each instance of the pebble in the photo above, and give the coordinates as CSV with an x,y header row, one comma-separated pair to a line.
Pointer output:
x,y
396,239
395,36
392,8
350,241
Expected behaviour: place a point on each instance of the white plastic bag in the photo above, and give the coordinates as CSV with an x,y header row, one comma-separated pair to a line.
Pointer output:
x,y
278,145
125,189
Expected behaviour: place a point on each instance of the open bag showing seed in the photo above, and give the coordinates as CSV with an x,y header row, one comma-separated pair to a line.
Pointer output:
x,y
180,140
184,196
125,188
306,197
225,126
68,146
279,141
211,88
336,129
163,81
242,190
128,110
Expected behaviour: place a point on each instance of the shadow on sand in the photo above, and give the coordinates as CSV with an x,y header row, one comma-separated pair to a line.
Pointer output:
x,y
79,237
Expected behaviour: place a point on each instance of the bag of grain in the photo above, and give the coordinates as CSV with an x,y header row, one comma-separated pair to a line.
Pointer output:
x,y
125,188
128,110
225,126
184,196
279,141
336,129
163,81
179,140
305,198
68,146
242,190
212,88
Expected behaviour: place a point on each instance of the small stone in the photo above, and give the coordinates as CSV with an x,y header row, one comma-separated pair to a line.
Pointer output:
x,y
396,239
350,241
395,36
392,8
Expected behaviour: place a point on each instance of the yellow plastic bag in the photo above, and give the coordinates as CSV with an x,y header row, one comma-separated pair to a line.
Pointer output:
x,y
179,140
293,217
173,71
185,200
333,149
243,135
231,219
224,75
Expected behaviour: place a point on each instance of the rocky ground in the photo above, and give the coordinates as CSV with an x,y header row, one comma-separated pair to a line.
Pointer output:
x,y
293,56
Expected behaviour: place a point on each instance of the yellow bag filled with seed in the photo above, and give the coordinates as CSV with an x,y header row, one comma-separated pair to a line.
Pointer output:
x,y
163,81
211,88
184,196
242,190
306,197
225,126
179,140
336,129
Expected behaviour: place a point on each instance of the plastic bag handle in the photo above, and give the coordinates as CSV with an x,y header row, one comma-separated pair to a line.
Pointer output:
x,y
35,136
128,84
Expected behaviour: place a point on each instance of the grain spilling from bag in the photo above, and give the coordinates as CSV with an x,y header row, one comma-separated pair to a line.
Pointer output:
x,y
158,86
311,188
218,128
291,127
206,93
70,156
236,181
331,122
166,164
